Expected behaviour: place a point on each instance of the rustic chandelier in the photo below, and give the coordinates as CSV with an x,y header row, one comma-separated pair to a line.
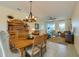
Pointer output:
x,y
30,18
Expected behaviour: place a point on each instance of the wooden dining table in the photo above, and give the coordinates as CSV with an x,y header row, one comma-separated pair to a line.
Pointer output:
x,y
21,44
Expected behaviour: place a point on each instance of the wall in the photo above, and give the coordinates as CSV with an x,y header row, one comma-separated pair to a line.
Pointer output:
x,y
75,24
4,11
3,16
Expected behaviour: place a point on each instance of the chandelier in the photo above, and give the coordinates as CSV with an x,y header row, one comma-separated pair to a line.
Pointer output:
x,y
30,18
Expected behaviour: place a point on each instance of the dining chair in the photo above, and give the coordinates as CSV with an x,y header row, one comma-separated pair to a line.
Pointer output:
x,y
44,44
35,50
11,45
4,38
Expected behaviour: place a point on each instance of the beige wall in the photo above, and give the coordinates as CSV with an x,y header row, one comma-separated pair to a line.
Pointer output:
x,y
75,23
4,11
68,24
3,16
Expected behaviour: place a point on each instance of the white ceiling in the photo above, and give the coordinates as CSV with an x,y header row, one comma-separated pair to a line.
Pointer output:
x,y
44,9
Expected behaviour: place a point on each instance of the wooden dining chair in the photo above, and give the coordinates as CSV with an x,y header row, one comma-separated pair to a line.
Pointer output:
x,y
35,50
12,37
44,44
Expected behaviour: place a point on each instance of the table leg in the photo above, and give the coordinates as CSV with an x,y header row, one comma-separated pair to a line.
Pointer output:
x,y
21,52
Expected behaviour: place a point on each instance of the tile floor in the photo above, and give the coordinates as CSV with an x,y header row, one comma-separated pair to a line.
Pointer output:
x,y
59,50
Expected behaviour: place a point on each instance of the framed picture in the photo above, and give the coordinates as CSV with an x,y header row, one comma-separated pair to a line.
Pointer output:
x,y
37,26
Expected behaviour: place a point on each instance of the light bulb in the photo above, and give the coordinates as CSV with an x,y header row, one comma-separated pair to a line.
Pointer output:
x,y
33,17
26,17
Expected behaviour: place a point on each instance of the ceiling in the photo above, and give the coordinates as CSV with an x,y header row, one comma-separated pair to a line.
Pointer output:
x,y
43,8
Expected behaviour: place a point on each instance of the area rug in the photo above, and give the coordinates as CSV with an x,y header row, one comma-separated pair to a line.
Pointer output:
x,y
59,40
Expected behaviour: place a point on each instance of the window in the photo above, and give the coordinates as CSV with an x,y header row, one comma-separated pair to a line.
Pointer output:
x,y
62,26
53,26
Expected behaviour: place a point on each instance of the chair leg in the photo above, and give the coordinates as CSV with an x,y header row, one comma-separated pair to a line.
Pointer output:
x,y
27,55
41,52
45,48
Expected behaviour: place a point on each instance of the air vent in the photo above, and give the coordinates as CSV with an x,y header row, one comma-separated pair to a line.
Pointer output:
x,y
52,18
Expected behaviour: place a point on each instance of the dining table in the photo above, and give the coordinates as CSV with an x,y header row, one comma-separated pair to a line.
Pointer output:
x,y
21,44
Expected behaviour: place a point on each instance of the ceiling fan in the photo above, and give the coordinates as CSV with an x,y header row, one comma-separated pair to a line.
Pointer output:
x,y
51,18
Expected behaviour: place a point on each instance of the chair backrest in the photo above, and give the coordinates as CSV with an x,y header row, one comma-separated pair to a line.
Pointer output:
x,y
12,35
4,38
45,36
37,40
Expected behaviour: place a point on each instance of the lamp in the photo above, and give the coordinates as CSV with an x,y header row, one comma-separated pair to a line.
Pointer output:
x,y
30,18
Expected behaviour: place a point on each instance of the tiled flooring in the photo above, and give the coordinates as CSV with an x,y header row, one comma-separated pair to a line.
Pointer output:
x,y
59,50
